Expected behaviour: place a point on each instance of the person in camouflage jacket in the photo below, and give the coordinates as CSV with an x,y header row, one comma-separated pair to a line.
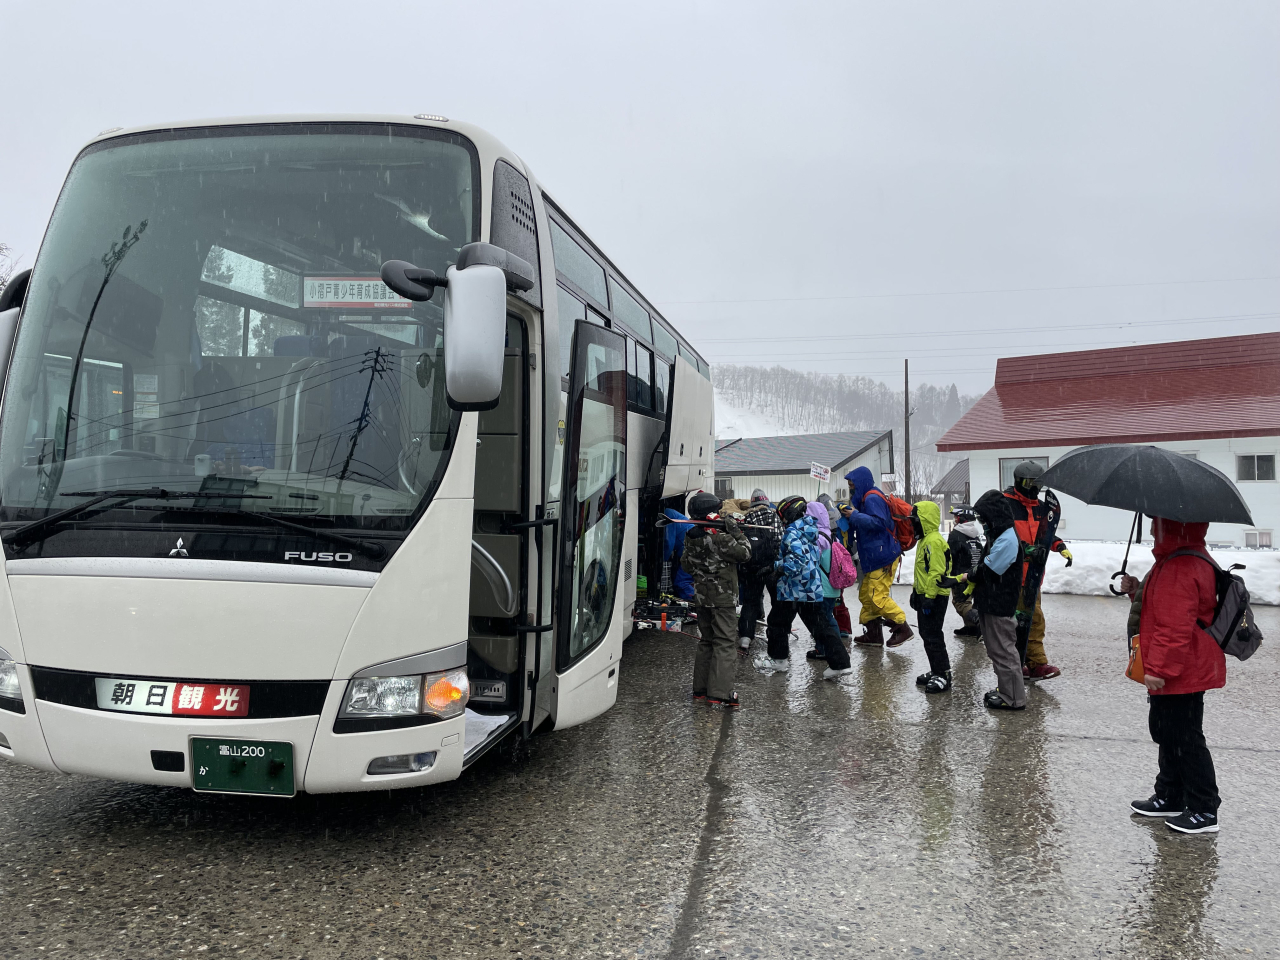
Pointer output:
x,y
711,557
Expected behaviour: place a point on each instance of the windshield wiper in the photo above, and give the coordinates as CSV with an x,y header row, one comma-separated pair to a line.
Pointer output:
x,y
374,551
29,533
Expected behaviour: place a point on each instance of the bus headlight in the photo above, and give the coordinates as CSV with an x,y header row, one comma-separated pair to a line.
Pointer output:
x,y
443,695
9,687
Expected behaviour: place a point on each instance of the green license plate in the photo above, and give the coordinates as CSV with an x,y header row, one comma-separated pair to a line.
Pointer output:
x,y
221,765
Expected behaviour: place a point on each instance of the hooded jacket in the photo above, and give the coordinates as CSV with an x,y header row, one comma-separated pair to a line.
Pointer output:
x,y
673,550
872,524
821,515
965,544
933,558
1177,596
798,576
996,594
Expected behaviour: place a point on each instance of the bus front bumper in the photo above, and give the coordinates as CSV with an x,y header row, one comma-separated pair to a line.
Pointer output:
x,y
119,746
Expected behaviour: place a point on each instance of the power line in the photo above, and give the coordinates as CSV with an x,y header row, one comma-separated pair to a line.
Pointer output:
x,y
1010,330
965,293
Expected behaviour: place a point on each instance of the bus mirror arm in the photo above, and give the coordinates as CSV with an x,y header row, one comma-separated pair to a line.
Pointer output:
x,y
412,283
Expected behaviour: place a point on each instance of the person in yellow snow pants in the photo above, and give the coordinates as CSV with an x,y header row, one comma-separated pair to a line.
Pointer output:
x,y
878,605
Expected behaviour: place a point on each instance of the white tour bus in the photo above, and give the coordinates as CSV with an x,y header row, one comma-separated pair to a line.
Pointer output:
x,y
326,449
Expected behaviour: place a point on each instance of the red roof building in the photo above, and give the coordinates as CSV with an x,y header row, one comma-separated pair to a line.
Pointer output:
x,y
1191,390
1217,400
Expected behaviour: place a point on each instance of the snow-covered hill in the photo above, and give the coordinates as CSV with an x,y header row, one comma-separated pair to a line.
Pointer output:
x,y
733,422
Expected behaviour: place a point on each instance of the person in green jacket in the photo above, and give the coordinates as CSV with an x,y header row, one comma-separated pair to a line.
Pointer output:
x,y
931,592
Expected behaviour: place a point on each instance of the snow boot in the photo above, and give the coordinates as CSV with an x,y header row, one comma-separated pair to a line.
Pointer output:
x,y
874,637
831,673
938,683
899,633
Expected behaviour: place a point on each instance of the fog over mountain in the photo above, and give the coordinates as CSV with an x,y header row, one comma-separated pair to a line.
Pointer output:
x,y
763,401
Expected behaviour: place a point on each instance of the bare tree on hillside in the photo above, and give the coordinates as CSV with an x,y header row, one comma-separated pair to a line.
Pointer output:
x,y
822,403
7,265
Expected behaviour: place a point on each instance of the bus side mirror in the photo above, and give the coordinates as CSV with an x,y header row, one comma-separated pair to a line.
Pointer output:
x,y
475,336
475,316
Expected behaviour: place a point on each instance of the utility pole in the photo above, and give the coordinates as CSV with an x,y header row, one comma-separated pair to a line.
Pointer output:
x,y
906,426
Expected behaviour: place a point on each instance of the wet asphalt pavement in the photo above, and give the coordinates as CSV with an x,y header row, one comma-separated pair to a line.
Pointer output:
x,y
853,819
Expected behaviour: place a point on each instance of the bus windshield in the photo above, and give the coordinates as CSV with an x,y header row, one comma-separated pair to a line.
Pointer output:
x,y
206,317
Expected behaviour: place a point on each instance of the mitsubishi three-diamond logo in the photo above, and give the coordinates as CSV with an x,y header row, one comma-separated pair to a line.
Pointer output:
x,y
179,550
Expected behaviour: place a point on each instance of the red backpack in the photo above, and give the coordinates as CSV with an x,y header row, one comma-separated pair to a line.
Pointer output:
x,y
904,530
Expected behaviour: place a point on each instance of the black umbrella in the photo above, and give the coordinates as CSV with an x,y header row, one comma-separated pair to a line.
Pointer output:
x,y
1148,480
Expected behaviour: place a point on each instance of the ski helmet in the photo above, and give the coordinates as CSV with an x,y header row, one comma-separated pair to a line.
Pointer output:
x,y
792,509
963,513
1025,476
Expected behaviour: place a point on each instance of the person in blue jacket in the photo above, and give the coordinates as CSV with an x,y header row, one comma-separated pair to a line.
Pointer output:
x,y
673,550
879,554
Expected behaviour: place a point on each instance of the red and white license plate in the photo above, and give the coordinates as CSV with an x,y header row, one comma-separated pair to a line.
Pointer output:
x,y
173,698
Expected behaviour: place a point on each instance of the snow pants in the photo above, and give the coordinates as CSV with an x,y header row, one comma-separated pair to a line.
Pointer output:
x,y
929,619
716,660
842,615
963,602
820,624
1036,656
1000,634
877,601
1186,778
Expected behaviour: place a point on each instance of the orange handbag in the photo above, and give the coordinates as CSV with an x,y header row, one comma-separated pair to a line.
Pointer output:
x,y
1134,671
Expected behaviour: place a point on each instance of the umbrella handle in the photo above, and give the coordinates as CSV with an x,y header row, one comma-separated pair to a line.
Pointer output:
x,y
1124,567
1112,586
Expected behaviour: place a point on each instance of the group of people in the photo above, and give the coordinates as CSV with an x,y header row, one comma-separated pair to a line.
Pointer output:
x,y
800,553
803,554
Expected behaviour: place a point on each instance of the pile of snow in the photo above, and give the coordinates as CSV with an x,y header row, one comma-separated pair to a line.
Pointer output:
x,y
734,422
1095,561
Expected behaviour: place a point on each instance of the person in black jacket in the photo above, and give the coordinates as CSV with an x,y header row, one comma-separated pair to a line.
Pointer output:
x,y
756,574
965,544
999,578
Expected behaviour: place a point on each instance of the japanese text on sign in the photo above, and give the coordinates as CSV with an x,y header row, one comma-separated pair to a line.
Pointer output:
x,y
350,292
819,472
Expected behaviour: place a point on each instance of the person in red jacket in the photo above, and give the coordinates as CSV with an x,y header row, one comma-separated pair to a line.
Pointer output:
x,y
1181,662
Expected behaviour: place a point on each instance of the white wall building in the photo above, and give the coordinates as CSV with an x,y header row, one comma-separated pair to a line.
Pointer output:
x,y
1217,400
780,466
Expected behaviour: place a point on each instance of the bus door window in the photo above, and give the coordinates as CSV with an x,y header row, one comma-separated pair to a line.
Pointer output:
x,y
595,489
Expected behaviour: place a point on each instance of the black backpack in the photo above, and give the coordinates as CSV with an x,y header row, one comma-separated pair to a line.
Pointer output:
x,y
1233,626
764,543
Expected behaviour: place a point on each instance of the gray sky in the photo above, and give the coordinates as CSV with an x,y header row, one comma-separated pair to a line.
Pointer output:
x,y
827,186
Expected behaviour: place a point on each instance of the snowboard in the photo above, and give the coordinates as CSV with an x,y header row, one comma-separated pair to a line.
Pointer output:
x,y
1037,558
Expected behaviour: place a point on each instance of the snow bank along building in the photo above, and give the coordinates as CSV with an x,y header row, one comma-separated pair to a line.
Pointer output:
x,y
781,466
1217,400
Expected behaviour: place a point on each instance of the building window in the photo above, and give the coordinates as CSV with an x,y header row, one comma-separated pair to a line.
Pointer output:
x,y
1257,539
1007,466
724,487
1256,467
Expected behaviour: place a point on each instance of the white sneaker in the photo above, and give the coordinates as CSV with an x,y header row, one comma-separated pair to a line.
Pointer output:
x,y
833,674
764,663
744,642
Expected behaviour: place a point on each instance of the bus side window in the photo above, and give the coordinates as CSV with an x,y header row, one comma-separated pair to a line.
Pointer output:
x,y
644,376
661,382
